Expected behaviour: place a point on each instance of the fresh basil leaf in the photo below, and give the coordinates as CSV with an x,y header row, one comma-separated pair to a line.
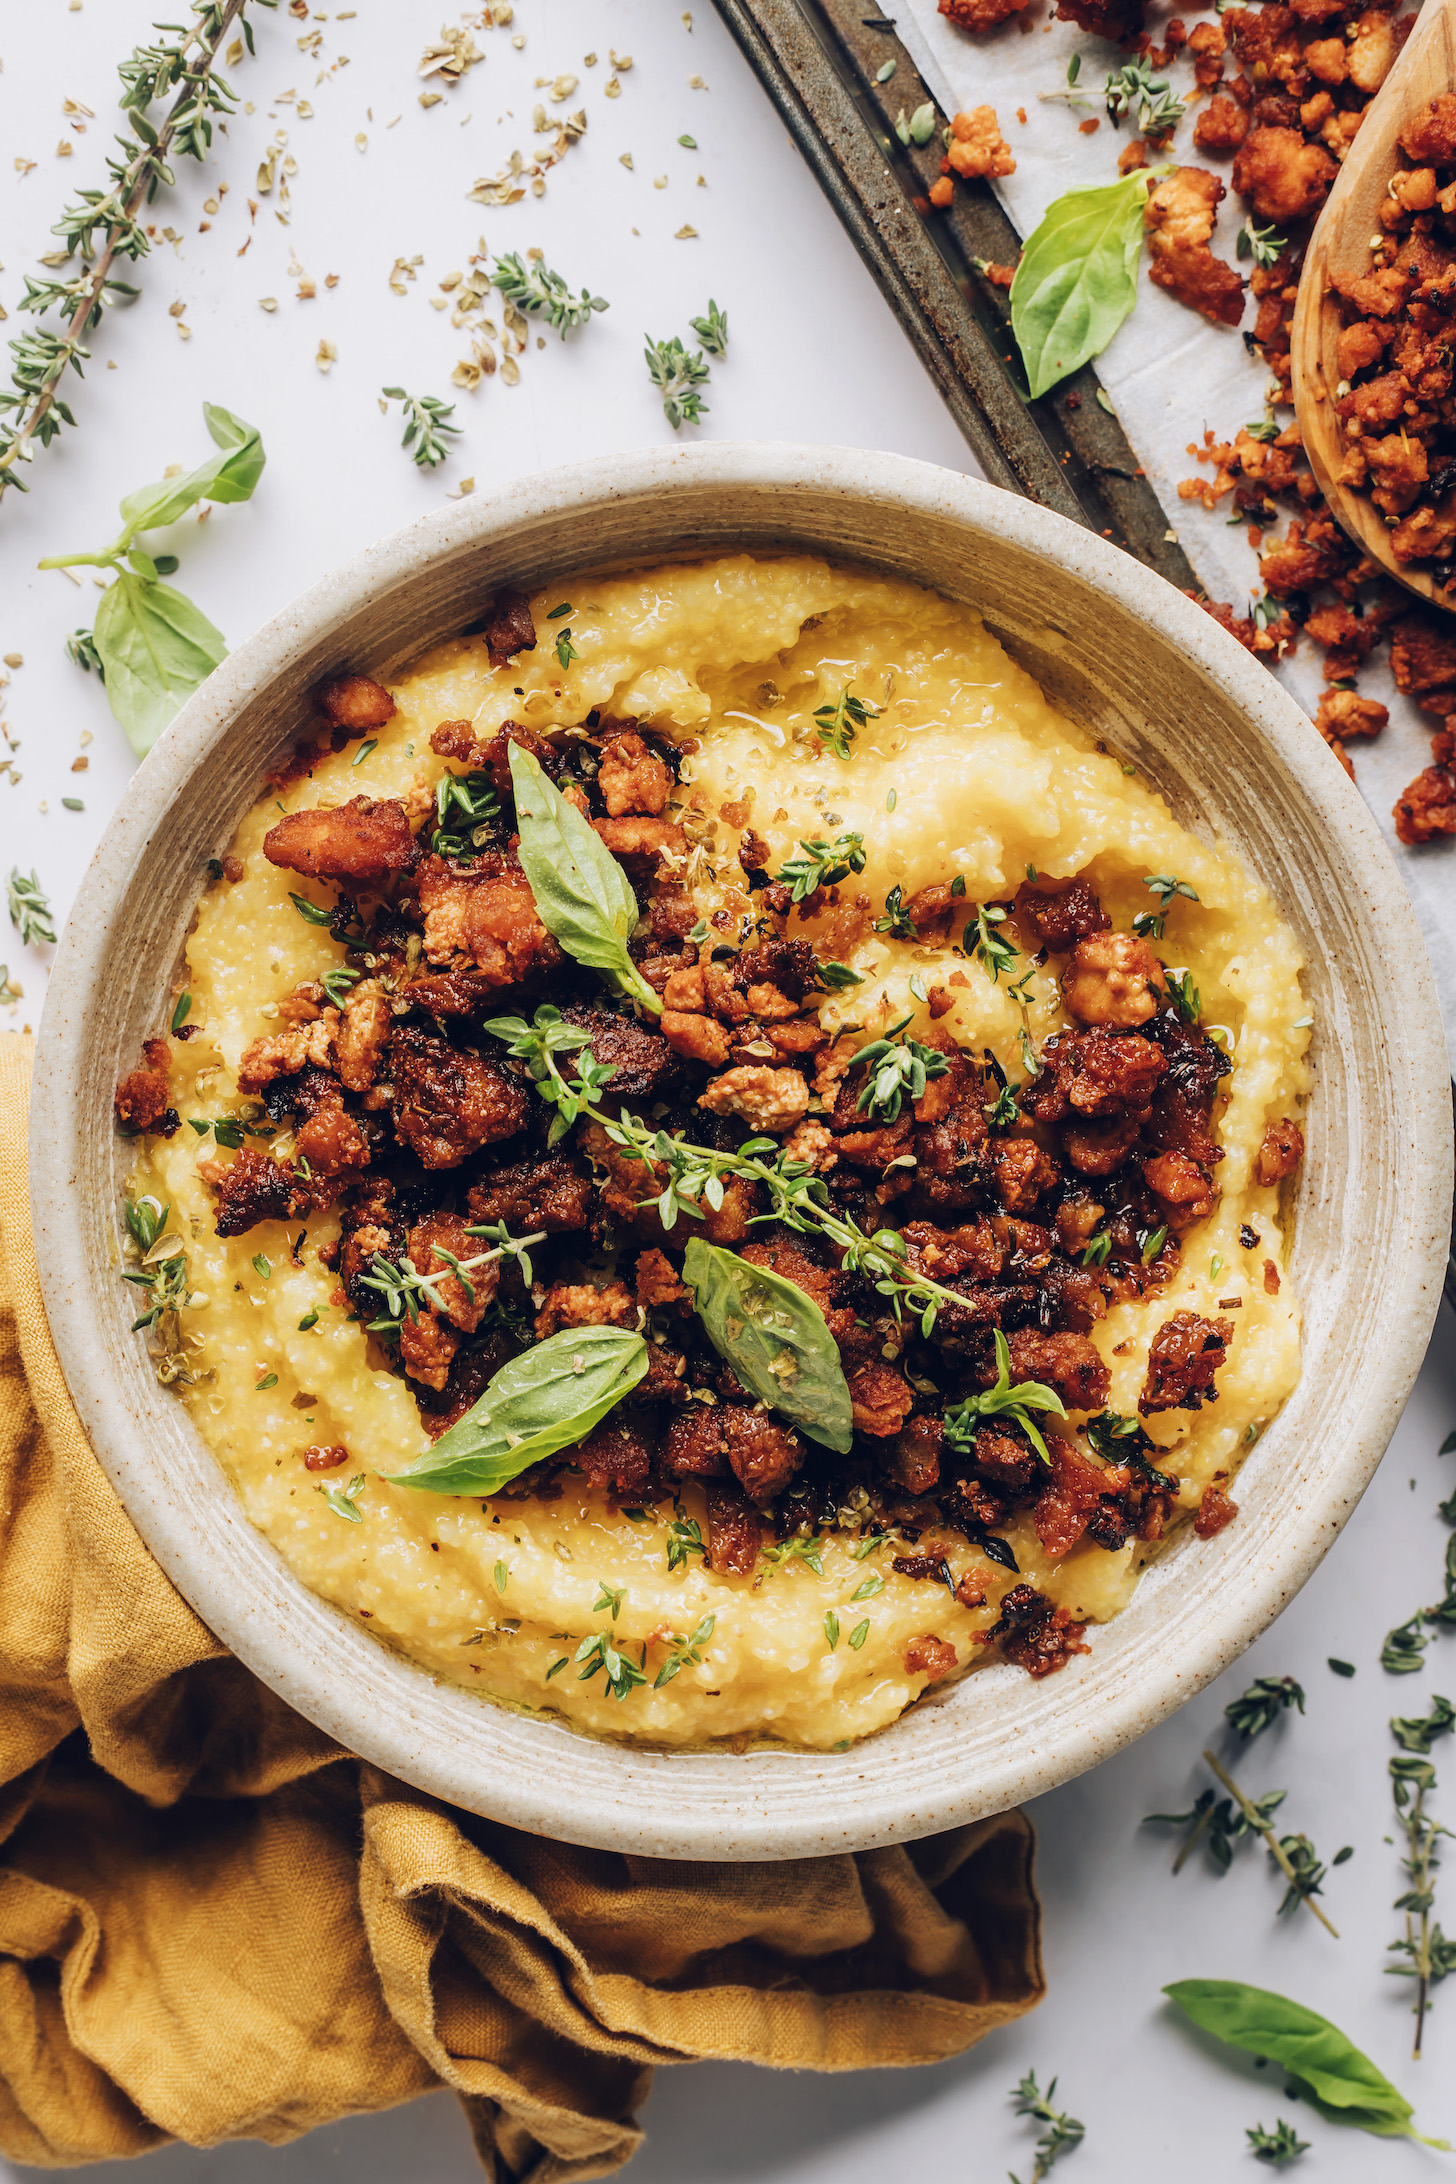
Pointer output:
x,y
775,1338
1077,279
230,475
548,1398
1344,2085
581,892
156,647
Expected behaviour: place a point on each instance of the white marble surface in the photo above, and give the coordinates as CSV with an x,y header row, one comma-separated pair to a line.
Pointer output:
x,y
815,356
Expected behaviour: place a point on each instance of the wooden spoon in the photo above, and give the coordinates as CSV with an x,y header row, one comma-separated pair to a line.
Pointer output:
x,y
1340,244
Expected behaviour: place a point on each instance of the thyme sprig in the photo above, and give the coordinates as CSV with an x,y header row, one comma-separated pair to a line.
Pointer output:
x,y
1265,1700
162,1278
465,805
686,1652
696,1174
623,1676
426,426
403,1287
1134,86
822,863
1278,2147
712,330
836,725
1063,2132
990,946
532,286
103,226
29,907
1293,1854
1167,887
1260,244
678,374
1430,1956
896,923
895,1069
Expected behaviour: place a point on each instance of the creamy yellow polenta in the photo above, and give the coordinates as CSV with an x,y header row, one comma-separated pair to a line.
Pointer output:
x,y
967,770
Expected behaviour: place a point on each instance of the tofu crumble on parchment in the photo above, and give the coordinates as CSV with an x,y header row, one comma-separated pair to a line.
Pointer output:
x,y
1087,1162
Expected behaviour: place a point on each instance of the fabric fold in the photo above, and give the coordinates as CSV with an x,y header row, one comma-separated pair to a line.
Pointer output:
x,y
215,1924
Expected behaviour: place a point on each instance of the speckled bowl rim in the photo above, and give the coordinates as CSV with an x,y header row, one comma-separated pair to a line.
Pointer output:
x,y
534,1773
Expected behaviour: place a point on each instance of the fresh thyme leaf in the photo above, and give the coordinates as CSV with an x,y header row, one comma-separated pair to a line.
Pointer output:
x,y
831,1629
1095,1253
894,1071
686,1652
182,1011
1153,1245
677,373
502,1577
684,1538
712,330
1133,87
465,806
427,427
1063,2132
990,944
897,923
623,1676
566,651
104,226
81,647
1260,244
535,288
609,1599
775,1338
1166,887
1430,1956
1278,2147
1077,277
867,1588
838,977
1265,1700
859,1634
341,1499
1003,1400
822,864
310,1319
1180,985
30,911
364,750
581,893
547,1399
804,1547
1341,1668
836,725
1401,1653
1344,2085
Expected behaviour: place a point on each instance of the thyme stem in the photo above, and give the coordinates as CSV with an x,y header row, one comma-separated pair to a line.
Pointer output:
x,y
116,213
1265,1828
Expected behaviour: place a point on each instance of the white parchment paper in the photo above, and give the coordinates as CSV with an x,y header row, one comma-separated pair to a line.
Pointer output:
x,y
1171,374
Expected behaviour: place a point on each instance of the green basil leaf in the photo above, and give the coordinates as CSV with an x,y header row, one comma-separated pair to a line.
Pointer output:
x,y
156,647
1344,2085
1077,279
581,892
548,1398
775,1338
230,475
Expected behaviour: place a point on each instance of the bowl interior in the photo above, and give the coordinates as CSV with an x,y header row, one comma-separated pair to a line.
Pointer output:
x,y
1125,655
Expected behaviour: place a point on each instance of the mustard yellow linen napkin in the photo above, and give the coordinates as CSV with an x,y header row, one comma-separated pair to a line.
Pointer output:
x,y
215,1924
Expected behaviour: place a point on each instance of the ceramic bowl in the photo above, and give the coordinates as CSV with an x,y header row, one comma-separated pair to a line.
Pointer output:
x,y
1125,655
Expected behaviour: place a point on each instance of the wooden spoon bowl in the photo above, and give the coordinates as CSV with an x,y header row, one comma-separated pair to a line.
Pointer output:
x,y
1340,245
